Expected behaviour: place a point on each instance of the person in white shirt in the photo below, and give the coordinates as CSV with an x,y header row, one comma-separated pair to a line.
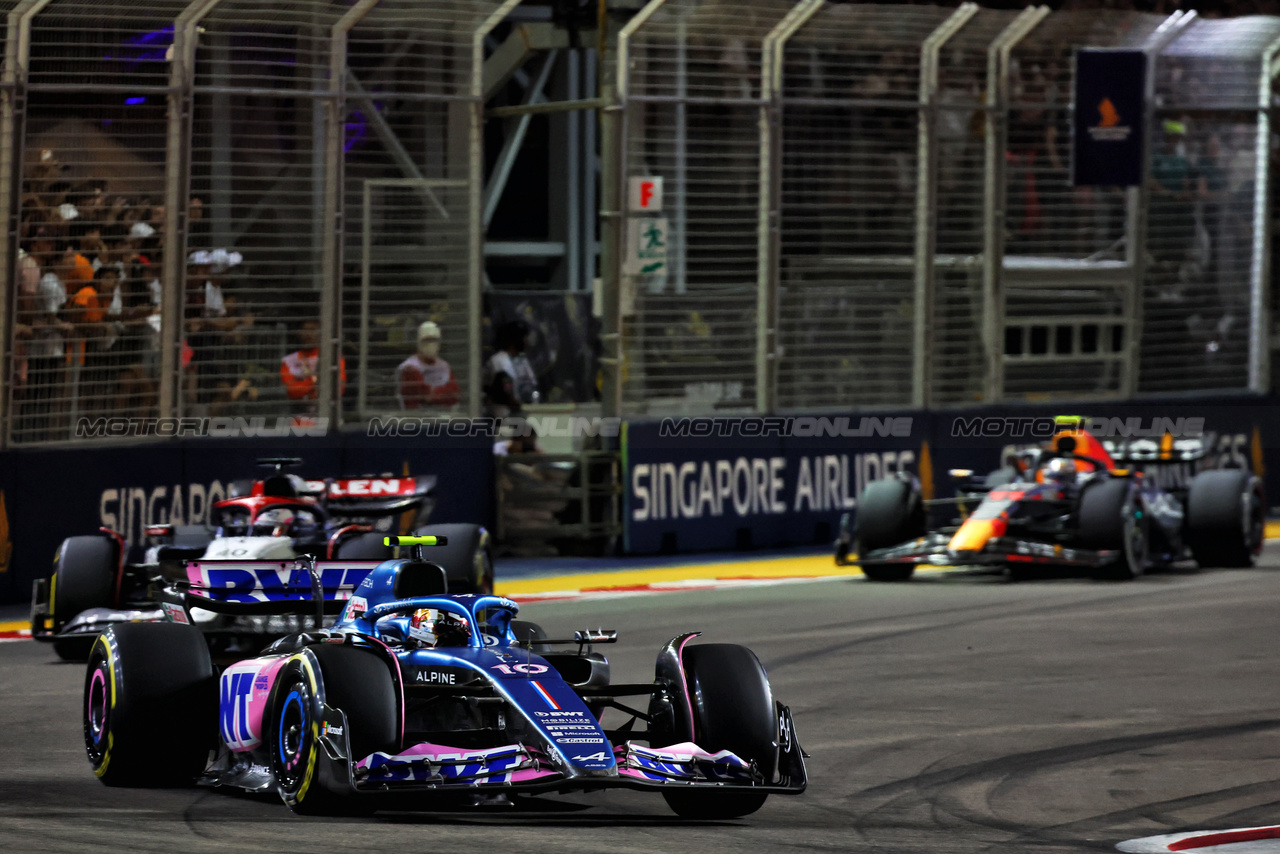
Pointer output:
x,y
424,379
509,359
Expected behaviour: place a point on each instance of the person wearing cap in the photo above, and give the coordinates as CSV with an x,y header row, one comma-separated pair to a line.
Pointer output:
x,y
424,379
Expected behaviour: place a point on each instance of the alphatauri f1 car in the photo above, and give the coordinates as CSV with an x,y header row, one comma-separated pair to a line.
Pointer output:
x,y
425,695
279,518
1069,505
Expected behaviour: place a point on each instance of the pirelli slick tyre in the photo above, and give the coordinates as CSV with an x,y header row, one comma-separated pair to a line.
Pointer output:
x,y
84,577
890,512
150,705
355,681
1225,518
1112,517
366,546
733,709
467,557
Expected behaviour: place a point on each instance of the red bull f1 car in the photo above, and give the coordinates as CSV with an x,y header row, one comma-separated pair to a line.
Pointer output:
x,y
416,695
1068,505
279,517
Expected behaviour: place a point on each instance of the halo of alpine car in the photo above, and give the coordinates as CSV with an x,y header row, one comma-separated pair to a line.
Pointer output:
x,y
426,688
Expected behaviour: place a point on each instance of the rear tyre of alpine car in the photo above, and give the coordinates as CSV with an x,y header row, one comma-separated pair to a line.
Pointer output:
x,y
84,577
1225,518
1112,517
367,546
733,709
467,557
150,705
359,683
890,512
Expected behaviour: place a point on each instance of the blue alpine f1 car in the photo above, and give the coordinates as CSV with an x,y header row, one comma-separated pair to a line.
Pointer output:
x,y
418,693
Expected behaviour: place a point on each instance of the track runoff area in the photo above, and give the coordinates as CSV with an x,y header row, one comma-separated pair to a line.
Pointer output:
x,y
952,713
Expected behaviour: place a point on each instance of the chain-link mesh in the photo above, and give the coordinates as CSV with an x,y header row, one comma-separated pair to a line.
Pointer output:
x,y
91,217
1200,230
90,145
1068,281
690,329
958,370
251,311
408,204
848,205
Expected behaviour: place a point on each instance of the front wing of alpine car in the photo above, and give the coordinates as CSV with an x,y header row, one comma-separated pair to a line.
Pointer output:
x,y
526,767
932,550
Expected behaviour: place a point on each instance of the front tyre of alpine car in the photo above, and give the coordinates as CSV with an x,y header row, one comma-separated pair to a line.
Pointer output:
x,y
355,681
733,709
150,705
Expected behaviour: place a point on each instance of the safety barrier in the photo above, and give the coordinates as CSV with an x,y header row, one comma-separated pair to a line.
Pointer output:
x,y
739,483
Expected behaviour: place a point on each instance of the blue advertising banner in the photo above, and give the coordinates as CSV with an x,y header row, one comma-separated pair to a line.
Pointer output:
x,y
717,484
696,484
1108,126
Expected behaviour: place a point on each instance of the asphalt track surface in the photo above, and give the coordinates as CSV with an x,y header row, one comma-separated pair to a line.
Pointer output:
x,y
956,713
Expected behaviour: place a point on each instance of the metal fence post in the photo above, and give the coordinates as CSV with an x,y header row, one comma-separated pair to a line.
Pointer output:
x,y
475,204
613,168
177,179
13,80
329,385
927,203
1140,199
1260,263
768,234
995,194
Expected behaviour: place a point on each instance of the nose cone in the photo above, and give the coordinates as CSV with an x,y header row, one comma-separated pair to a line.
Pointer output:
x,y
974,534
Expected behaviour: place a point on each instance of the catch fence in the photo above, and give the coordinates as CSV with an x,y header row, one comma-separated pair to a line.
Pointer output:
x,y
226,207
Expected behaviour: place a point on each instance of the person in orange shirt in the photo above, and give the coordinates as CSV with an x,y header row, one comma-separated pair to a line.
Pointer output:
x,y
298,369
79,270
86,310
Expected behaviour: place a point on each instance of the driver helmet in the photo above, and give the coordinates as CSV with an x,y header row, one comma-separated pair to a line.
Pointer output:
x,y
274,522
432,627
1060,470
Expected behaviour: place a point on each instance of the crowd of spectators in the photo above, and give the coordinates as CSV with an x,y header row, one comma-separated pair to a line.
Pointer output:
x,y
87,301
87,324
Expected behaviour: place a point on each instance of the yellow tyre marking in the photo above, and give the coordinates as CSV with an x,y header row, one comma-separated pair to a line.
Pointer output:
x,y
111,739
315,729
